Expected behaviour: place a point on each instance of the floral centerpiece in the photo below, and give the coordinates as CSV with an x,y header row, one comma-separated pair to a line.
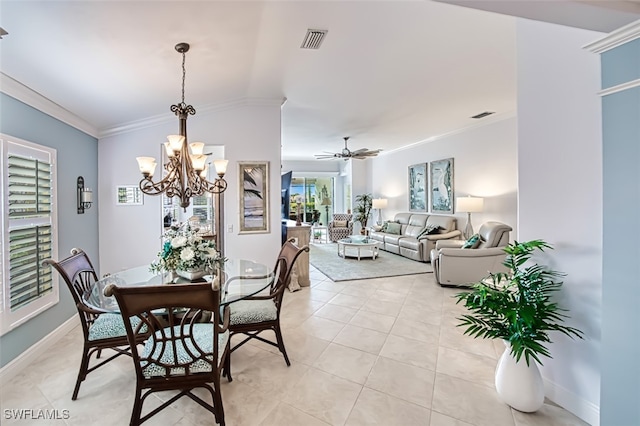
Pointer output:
x,y
186,252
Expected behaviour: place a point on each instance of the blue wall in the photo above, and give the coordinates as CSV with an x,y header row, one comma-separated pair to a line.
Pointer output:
x,y
620,390
77,155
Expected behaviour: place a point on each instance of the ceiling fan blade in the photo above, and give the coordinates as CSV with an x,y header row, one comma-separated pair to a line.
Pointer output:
x,y
358,151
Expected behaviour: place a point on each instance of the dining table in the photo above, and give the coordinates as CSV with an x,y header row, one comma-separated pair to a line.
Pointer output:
x,y
238,278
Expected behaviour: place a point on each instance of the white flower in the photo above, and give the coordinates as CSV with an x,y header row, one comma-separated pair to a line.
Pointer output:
x,y
187,254
211,253
179,241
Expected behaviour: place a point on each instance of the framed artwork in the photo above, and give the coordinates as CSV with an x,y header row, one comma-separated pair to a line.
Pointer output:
x,y
418,188
441,185
128,195
254,199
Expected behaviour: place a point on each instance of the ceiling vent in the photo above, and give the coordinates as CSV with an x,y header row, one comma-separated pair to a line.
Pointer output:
x,y
313,39
483,114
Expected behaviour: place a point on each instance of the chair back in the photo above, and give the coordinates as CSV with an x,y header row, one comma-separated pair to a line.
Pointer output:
x,y
494,234
79,274
184,341
289,252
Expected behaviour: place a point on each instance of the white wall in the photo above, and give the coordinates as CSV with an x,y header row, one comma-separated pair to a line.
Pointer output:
x,y
484,166
560,194
249,133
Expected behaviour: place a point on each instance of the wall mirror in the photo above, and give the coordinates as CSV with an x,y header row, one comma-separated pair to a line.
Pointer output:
x,y
201,212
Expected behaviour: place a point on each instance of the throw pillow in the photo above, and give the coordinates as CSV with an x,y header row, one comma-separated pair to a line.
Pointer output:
x,y
385,223
339,223
394,228
472,242
429,229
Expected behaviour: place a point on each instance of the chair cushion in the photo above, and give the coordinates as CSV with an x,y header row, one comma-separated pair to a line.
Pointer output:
x,y
203,337
107,326
473,242
253,311
339,223
393,228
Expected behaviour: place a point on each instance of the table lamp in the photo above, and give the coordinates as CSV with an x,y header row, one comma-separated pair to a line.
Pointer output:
x,y
326,202
379,204
469,205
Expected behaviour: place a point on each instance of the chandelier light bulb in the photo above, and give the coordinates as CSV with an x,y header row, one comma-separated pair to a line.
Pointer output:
x,y
221,167
197,161
176,141
167,147
147,165
197,148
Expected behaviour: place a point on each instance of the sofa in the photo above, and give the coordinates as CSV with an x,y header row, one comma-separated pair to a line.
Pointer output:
x,y
413,241
457,266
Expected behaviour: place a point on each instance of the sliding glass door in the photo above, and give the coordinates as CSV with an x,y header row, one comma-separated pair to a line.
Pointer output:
x,y
312,199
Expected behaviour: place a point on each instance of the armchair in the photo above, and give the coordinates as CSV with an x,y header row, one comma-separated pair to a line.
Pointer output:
x,y
455,266
340,227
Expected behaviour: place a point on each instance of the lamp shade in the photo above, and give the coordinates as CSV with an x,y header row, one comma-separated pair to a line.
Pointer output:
x,y
469,204
379,203
326,201
221,166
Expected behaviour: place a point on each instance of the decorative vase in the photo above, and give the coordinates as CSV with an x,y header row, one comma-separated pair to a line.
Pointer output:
x,y
192,274
519,385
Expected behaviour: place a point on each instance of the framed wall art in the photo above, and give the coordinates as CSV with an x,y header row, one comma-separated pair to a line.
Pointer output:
x,y
128,195
418,188
254,198
441,185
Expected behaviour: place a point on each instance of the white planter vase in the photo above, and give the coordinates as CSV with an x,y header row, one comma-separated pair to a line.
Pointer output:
x,y
192,275
518,384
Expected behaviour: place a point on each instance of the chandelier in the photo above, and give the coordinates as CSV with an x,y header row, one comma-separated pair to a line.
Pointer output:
x,y
186,171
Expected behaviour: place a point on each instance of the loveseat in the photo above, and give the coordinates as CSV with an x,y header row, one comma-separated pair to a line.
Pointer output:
x,y
416,234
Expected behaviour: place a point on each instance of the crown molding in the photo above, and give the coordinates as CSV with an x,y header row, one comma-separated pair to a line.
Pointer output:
x,y
170,118
19,91
616,38
492,119
620,87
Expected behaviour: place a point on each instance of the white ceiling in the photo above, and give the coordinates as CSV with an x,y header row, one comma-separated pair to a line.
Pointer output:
x,y
389,73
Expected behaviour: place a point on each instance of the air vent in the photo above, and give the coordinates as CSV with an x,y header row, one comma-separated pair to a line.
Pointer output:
x,y
313,39
483,114
2,33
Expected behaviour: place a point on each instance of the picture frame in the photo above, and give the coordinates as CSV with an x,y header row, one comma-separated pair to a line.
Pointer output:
x,y
418,187
441,186
254,200
129,195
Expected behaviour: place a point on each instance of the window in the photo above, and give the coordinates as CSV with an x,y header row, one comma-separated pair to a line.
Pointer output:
x,y
29,233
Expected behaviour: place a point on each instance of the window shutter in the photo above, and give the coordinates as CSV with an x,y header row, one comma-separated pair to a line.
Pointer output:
x,y
29,280
29,187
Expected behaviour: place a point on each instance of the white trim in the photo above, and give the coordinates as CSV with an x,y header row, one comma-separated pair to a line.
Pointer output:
x,y
616,38
587,411
619,88
19,91
41,347
169,117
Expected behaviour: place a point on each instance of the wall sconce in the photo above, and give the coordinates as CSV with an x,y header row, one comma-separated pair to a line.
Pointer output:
x,y
84,195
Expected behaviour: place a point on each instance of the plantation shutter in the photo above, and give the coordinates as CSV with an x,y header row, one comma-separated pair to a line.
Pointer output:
x,y
30,232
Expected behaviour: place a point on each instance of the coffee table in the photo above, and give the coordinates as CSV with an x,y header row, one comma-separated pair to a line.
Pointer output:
x,y
358,246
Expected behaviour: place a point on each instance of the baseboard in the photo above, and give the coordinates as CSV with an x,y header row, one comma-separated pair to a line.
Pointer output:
x,y
573,403
23,360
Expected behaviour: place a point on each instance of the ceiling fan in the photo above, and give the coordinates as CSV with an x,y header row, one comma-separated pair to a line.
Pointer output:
x,y
346,153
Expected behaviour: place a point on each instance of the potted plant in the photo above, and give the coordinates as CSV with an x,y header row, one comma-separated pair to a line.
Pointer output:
x,y
362,210
517,307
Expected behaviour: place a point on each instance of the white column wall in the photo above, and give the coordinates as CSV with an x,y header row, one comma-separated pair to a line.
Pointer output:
x,y
560,194
130,235
484,166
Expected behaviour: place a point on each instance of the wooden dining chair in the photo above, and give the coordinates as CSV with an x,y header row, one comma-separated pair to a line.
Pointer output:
x,y
100,330
253,315
185,351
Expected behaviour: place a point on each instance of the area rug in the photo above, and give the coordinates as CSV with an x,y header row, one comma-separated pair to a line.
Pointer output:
x,y
325,258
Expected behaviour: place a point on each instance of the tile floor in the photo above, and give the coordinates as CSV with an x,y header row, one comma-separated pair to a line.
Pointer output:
x,y
371,352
